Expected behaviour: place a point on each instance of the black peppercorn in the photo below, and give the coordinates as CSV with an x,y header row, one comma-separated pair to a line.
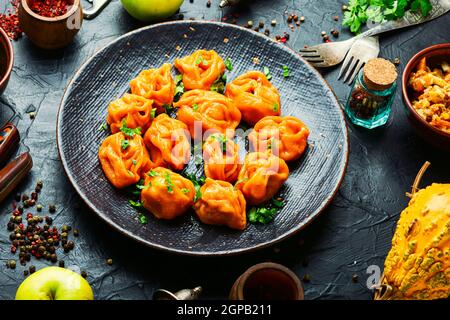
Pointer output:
x,y
17,197
52,208
53,257
84,274
25,197
25,273
48,220
32,269
61,263
10,226
76,232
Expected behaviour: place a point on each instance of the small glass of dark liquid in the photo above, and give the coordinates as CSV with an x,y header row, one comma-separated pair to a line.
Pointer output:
x,y
267,281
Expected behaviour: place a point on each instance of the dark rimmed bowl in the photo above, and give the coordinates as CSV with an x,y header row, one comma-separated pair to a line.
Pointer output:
x,y
6,65
434,54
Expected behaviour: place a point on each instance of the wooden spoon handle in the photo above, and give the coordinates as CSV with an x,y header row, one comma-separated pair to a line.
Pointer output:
x,y
9,141
13,173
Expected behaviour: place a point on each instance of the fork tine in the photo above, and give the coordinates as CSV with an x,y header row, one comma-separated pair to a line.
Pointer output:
x,y
310,54
345,64
355,72
306,50
315,60
350,69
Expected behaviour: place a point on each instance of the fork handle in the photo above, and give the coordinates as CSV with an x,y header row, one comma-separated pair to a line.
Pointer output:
x,y
407,21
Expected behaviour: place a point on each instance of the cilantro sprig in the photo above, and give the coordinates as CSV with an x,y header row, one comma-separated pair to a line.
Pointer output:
x,y
129,131
380,11
265,214
198,182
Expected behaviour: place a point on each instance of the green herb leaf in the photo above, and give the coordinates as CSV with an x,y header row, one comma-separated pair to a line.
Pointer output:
x,y
228,64
143,218
195,107
152,173
169,182
134,162
277,203
275,107
198,182
380,11
185,190
135,204
179,87
103,127
168,108
125,144
267,73
261,215
219,85
128,131
153,113
286,71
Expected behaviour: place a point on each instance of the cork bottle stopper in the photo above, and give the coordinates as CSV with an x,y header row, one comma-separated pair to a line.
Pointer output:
x,y
379,74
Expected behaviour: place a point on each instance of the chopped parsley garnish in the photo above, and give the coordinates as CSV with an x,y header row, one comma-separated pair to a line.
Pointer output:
x,y
134,162
152,173
201,60
144,187
185,190
198,182
267,73
103,127
153,113
169,182
143,218
275,107
265,214
128,131
179,87
195,107
219,85
131,173
228,64
125,144
271,143
261,215
380,11
277,203
222,140
286,71
135,204
168,107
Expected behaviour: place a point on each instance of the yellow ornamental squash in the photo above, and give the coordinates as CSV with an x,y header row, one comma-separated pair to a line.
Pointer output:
x,y
418,265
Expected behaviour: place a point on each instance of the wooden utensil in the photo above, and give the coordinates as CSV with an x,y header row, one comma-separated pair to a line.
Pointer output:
x,y
13,173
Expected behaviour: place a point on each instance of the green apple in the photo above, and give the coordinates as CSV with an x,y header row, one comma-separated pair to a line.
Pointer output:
x,y
151,10
54,283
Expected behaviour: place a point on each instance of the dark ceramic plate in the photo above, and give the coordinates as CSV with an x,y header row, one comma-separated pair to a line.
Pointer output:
x,y
313,181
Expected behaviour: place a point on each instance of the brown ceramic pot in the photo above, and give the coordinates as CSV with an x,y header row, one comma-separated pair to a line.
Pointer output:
x,y
6,60
434,54
267,281
51,33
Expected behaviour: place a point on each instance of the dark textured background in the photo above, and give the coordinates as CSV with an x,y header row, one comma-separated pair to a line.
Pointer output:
x,y
353,233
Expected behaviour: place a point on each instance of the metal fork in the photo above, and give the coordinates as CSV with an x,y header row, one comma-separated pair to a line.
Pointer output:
x,y
361,51
327,54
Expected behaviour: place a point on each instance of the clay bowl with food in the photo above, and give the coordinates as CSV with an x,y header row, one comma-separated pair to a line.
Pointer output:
x,y
51,32
435,56
6,60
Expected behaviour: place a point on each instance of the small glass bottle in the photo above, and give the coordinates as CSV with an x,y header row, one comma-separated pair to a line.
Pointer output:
x,y
370,101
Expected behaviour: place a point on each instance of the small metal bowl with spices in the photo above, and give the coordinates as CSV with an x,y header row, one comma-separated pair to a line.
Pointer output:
x,y
51,24
433,58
